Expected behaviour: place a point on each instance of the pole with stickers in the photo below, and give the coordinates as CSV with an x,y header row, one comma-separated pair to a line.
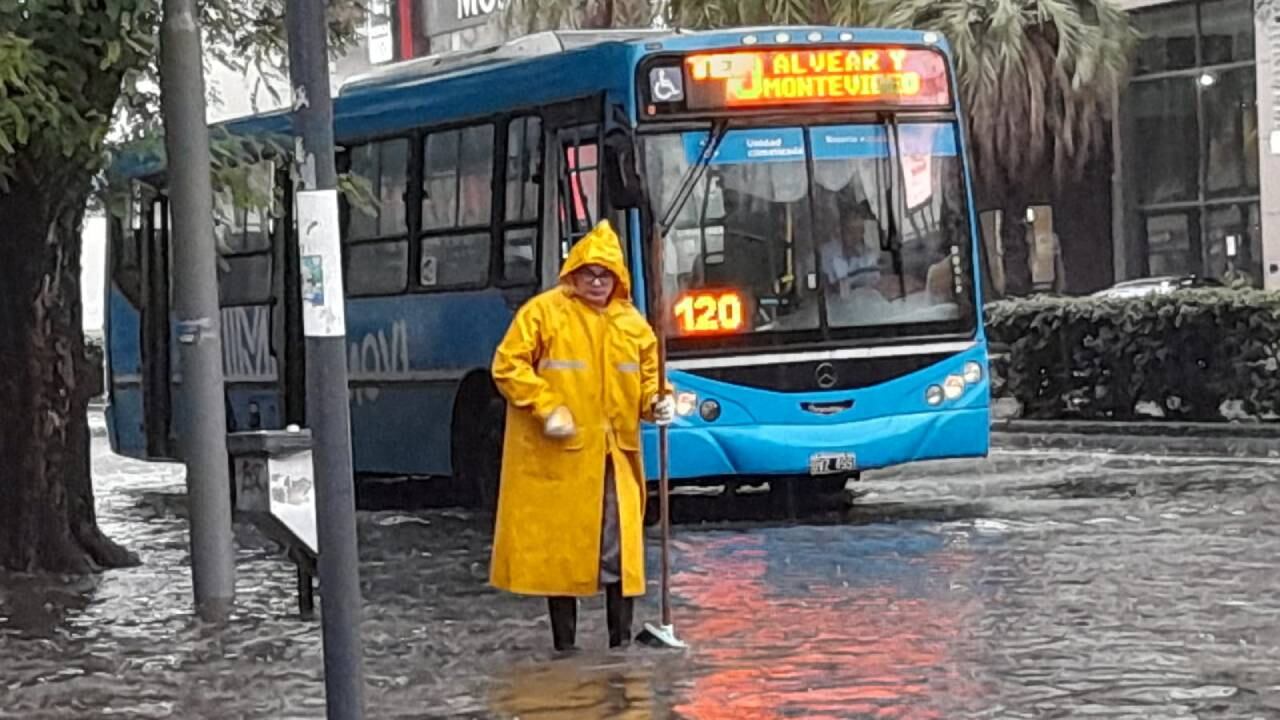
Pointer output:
x,y
324,328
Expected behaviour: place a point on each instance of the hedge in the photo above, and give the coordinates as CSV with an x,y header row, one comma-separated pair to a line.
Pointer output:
x,y
1187,353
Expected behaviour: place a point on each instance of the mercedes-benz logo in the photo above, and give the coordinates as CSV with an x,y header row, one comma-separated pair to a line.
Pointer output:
x,y
826,376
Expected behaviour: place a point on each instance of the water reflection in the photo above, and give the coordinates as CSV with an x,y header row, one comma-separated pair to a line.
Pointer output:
x,y
775,640
612,688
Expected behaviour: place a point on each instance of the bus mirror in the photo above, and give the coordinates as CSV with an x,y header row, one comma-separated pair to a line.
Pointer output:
x,y
622,174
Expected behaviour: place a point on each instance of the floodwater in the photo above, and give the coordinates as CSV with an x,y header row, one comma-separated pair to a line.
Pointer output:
x,y
1032,585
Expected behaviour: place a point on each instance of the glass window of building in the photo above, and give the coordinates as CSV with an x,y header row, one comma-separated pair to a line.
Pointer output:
x,y
1190,144
1168,39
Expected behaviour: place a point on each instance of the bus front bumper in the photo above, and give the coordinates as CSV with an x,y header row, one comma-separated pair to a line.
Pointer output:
x,y
709,452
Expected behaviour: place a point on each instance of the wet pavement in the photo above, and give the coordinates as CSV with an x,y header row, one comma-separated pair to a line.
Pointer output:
x,y
1066,585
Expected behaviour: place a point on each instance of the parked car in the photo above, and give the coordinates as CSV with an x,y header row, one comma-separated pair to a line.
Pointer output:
x,y
1152,285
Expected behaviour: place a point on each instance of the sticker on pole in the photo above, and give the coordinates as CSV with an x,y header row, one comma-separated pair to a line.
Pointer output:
x,y
320,249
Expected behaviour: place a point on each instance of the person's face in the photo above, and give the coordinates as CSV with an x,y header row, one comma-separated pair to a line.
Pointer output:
x,y
861,239
854,234
594,284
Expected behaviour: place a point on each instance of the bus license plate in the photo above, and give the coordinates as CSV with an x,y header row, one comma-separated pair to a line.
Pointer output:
x,y
831,463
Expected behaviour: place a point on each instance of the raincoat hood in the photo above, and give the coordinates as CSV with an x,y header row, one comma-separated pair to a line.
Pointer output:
x,y
600,247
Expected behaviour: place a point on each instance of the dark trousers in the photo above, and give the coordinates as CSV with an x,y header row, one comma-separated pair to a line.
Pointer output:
x,y
618,615
618,609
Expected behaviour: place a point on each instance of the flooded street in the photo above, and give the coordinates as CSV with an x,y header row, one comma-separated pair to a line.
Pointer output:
x,y
1029,586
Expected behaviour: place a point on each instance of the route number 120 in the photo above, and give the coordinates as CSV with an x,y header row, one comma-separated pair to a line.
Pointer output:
x,y
709,312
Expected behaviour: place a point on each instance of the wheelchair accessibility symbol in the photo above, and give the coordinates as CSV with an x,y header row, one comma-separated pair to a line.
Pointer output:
x,y
665,85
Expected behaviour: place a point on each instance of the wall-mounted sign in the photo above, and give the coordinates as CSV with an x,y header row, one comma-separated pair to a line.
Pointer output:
x,y
440,17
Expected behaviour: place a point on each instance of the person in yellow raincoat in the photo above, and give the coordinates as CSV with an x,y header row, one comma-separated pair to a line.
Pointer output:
x,y
579,370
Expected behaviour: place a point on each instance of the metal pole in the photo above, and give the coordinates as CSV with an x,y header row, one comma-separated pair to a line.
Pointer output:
x,y
657,278
195,291
324,327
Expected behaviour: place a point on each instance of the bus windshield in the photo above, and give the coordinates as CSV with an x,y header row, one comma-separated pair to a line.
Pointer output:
x,y
815,228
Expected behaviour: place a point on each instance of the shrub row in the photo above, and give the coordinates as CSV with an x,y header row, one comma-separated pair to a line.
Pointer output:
x,y
1187,353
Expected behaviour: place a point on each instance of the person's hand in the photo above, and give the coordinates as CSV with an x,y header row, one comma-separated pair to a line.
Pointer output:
x,y
664,410
560,424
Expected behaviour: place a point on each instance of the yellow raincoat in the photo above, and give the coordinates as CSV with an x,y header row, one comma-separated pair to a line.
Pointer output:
x,y
602,364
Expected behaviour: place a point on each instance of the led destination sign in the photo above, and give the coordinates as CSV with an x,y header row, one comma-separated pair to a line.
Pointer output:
x,y
741,79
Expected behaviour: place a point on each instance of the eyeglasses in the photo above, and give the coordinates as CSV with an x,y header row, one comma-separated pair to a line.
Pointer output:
x,y
591,277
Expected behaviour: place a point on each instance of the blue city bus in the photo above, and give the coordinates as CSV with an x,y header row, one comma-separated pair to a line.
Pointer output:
x,y
820,265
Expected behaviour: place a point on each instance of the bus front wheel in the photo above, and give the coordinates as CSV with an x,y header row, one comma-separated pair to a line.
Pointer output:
x,y
796,493
478,419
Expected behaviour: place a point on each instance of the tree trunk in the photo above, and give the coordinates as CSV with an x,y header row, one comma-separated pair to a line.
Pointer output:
x,y
599,15
46,493
1017,251
819,12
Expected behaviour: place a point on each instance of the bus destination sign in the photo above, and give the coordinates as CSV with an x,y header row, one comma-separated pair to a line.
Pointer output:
x,y
890,76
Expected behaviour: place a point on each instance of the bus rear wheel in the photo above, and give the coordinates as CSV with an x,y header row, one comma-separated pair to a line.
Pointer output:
x,y
478,420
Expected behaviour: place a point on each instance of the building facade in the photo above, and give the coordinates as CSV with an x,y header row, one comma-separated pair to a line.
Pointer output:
x,y
1191,191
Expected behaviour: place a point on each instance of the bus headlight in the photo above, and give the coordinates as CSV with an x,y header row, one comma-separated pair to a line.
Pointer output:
x,y
972,373
933,395
686,404
953,387
710,410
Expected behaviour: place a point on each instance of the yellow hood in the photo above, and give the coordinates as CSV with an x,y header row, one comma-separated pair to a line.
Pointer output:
x,y
601,247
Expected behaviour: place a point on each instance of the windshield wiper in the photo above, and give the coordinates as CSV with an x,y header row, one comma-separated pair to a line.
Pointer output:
x,y
693,174
702,224
890,235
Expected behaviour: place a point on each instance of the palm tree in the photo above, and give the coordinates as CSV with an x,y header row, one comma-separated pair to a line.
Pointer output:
x,y
730,13
535,15
1039,79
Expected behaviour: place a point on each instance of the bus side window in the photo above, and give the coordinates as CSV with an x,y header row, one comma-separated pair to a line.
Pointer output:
x,y
524,199
579,186
457,205
242,231
377,224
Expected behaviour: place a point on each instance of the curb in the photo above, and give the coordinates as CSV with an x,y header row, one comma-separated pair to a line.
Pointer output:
x,y
1237,440
1139,428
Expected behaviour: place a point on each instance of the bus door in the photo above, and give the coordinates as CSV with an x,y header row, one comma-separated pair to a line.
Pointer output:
x,y
573,147
157,334
122,303
251,279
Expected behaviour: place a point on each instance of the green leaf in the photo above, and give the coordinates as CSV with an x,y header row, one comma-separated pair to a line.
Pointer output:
x,y
112,55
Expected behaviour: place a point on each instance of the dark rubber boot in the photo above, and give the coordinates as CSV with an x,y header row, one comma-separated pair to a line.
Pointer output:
x,y
564,622
618,611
